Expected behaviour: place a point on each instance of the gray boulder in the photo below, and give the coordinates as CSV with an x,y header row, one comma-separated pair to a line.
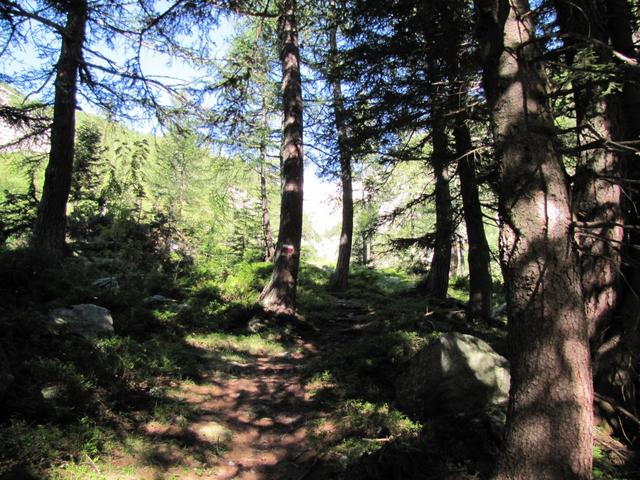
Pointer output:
x,y
455,374
87,320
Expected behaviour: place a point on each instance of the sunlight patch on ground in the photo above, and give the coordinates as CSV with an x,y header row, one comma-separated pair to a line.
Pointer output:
x,y
249,344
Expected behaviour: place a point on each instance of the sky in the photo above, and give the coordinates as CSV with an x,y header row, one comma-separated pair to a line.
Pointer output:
x,y
320,203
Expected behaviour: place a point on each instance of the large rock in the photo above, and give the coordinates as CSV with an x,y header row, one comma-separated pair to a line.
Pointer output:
x,y
454,374
87,320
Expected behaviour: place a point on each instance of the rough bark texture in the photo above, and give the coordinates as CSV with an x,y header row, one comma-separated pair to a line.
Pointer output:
x,y
597,193
618,357
50,227
340,278
437,282
549,419
479,257
280,293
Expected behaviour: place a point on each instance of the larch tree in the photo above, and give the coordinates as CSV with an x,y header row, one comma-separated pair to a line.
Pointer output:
x,y
279,295
479,255
50,227
246,105
340,278
82,69
549,430
461,72
437,282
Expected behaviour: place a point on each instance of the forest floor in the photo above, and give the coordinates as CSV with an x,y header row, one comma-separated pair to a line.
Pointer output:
x,y
222,391
246,419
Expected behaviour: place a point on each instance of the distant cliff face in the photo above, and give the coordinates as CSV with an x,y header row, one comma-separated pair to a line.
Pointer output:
x,y
15,137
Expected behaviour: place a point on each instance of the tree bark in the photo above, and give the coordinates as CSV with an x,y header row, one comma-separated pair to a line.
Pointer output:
x,y
340,278
549,418
437,283
617,357
479,256
597,192
50,226
280,293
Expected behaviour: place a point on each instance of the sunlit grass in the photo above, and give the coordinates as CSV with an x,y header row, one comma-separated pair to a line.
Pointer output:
x,y
236,345
357,427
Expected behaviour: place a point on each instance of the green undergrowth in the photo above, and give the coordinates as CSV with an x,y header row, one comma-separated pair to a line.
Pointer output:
x,y
352,380
74,405
72,402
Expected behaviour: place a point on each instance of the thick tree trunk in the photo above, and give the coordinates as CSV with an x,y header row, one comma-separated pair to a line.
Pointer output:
x,y
437,283
597,193
50,226
618,357
340,279
280,294
549,419
479,256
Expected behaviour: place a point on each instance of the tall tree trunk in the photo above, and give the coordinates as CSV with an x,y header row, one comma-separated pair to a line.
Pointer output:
x,y
280,293
479,256
50,226
618,357
549,418
621,31
597,193
340,279
455,258
437,283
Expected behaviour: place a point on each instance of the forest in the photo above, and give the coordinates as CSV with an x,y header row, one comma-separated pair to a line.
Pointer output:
x,y
312,240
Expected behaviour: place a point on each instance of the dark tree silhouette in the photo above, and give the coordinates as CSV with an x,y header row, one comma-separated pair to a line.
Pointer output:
x,y
50,227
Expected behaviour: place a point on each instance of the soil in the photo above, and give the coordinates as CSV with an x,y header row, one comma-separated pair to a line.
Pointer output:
x,y
246,423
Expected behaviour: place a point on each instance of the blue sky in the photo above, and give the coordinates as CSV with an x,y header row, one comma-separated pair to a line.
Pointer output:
x,y
27,56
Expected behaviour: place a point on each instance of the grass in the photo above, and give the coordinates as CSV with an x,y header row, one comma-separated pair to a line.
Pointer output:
x,y
114,393
242,345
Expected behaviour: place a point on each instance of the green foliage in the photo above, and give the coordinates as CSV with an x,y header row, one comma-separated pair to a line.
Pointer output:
x,y
359,428
88,163
38,445
137,363
17,214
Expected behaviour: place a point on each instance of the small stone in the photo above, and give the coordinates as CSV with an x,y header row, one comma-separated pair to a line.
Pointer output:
x,y
157,299
53,392
106,283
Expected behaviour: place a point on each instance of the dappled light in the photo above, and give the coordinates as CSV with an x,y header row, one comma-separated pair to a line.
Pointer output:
x,y
298,240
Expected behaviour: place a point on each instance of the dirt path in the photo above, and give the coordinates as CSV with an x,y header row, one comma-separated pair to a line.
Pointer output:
x,y
264,406
244,421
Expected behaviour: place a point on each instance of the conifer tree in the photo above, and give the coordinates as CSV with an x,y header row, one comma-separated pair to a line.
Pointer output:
x,y
279,295
549,419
